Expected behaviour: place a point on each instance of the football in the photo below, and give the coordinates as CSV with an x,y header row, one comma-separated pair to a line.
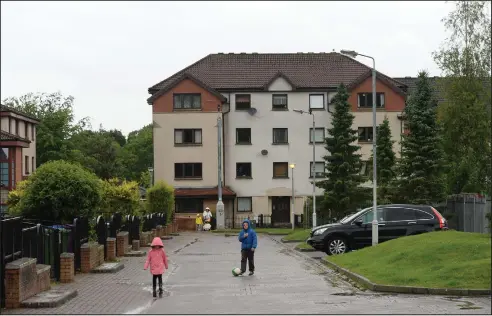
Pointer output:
x,y
236,271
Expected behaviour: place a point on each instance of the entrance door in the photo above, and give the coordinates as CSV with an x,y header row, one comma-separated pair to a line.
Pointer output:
x,y
281,209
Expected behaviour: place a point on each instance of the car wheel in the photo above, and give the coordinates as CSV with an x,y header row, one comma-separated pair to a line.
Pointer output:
x,y
336,246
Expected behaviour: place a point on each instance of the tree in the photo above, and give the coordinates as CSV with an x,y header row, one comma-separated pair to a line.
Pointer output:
x,y
97,151
138,153
117,136
160,199
59,191
342,188
57,122
421,165
386,160
464,59
120,196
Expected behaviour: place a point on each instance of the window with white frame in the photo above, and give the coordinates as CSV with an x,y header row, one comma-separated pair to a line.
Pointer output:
x,y
364,100
319,169
279,102
244,204
187,136
316,101
319,135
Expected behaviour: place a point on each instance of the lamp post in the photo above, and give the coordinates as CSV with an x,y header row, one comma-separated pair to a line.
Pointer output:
x,y
375,232
313,169
292,166
220,204
151,171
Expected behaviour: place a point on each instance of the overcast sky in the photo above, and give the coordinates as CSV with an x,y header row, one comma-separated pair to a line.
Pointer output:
x,y
106,54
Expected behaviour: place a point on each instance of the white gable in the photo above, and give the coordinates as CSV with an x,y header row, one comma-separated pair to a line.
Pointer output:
x,y
280,84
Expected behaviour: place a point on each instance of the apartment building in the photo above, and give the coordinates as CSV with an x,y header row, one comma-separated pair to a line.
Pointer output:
x,y
17,150
255,95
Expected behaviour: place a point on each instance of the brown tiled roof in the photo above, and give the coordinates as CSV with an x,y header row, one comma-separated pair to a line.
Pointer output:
x,y
436,85
231,71
5,136
411,83
180,78
4,108
180,192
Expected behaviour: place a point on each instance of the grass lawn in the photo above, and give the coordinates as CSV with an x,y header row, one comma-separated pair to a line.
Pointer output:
x,y
271,231
298,234
303,245
448,259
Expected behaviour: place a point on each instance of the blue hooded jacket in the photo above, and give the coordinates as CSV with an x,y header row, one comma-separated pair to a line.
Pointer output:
x,y
250,241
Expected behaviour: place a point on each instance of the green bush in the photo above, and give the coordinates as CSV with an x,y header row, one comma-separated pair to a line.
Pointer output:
x,y
58,191
160,199
120,196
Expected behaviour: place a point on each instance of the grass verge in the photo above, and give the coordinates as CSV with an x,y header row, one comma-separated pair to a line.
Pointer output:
x,y
448,259
299,234
304,246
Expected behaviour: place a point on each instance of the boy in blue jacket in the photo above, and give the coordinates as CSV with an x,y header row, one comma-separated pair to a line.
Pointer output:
x,y
247,237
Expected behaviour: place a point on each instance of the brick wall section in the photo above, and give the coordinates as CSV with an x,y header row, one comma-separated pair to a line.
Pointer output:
x,y
43,280
20,281
121,244
100,251
145,238
154,232
89,257
67,270
186,223
158,231
111,249
135,245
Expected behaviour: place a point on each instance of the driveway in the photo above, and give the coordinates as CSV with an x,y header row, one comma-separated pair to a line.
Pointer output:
x,y
285,282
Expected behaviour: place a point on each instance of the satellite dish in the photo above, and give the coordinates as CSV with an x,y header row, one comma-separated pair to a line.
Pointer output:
x,y
252,111
264,152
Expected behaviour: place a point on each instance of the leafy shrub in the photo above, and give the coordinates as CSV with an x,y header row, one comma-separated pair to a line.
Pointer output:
x,y
15,197
120,196
58,191
160,199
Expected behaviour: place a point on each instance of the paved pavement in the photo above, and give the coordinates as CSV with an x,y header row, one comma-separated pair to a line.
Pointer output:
x,y
285,282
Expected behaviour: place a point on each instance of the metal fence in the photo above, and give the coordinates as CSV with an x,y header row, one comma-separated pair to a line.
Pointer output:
x,y
263,221
25,238
467,212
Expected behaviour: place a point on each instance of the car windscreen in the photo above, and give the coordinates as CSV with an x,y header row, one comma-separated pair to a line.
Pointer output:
x,y
350,218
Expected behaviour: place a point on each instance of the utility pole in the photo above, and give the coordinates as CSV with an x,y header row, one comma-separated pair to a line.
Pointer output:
x,y
220,204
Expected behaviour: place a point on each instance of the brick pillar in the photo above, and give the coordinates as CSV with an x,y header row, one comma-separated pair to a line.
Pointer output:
x,y
12,288
85,258
100,251
121,244
111,249
144,239
135,245
154,233
20,281
158,231
67,270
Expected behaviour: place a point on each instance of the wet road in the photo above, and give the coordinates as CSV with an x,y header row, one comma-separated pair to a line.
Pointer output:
x,y
285,282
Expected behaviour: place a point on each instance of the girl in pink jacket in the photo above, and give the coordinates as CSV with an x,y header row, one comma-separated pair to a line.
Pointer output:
x,y
157,260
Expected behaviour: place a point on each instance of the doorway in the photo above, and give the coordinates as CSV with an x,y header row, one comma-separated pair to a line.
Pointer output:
x,y
281,209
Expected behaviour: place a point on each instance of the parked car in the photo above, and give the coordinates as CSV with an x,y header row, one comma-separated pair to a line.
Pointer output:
x,y
395,220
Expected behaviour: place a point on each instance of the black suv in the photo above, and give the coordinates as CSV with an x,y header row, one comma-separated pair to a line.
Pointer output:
x,y
355,231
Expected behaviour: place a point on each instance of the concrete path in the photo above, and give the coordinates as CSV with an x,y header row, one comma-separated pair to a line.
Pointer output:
x,y
200,282
285,282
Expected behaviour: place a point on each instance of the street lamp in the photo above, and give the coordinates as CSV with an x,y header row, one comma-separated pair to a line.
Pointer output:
x,y
292,166
313,169
151,171
375,232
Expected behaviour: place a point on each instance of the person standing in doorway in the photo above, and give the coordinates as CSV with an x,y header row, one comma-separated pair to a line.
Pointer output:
x,y
247,237
207,216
